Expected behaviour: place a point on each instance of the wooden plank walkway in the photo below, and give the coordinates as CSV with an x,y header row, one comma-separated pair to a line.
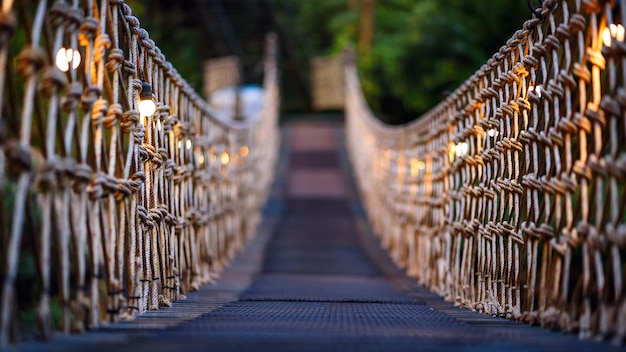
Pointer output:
x,y
315,280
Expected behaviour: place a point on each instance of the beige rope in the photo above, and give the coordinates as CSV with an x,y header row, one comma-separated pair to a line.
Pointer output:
x,y
128,201
514,201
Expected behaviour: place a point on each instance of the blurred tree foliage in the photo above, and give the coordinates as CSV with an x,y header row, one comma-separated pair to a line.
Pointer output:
x,y
420,48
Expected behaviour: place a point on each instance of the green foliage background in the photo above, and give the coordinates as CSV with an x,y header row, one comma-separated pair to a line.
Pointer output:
x,y
420,49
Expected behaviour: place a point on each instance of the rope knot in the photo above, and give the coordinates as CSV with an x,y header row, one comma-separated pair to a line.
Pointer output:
x,y
115,60
58,13
74,17
88,30
98,187
18,156
130,119
82,176
136,181
101,44
46,179
30,61
616,234
99,111
72,97
89,97
114,114
53,81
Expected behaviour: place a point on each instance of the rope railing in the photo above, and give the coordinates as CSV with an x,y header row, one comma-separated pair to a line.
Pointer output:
x,y
509,197
108,211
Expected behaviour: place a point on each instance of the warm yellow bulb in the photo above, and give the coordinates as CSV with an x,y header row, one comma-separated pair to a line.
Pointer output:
x,y
243,151
201,159
65,57
462,149
146,107
415,166
224,158
613,31
180,144
451,151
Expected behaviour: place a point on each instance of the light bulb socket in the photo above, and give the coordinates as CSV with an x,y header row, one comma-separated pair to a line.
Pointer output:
x,y
146,91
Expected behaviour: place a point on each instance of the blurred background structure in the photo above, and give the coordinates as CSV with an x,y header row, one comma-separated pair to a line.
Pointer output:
x,y
437,44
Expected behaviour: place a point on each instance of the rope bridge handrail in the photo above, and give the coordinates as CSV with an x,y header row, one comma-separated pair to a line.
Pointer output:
x,y
110,209
509,197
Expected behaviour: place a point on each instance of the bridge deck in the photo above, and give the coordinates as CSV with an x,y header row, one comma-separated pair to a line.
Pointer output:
x,y
314,279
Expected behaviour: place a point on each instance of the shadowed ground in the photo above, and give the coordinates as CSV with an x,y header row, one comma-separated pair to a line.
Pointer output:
x,y
315,280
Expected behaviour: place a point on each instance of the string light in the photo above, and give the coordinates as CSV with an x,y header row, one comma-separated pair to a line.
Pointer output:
x,y
201,159
415,166
613,31
462,149
146,101
451,151
65,57
224,158
243,151
188,144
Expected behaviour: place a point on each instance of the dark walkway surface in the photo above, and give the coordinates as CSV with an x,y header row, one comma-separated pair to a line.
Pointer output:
x,y
314,280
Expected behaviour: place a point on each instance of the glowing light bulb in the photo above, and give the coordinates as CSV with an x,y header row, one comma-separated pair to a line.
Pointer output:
x,y
201,159
415,166
224,158
146,103
65,57
451,151
244,151
613,31
492,132
180,144
188,143
462,149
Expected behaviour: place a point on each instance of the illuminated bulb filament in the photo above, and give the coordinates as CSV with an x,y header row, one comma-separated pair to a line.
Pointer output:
x,y
613,31
65,57
462,149
224,158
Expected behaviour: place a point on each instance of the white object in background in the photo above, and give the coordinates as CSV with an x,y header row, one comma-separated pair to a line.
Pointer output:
x,y
250,97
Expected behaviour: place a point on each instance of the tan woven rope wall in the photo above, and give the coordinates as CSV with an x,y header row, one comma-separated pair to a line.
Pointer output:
x,y
509,197
118,213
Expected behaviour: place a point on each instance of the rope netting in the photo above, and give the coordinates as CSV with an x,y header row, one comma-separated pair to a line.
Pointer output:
x,y
106,212
509,197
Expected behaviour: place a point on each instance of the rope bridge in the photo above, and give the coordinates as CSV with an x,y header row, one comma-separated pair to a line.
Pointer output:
x,y
509,197
118,210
